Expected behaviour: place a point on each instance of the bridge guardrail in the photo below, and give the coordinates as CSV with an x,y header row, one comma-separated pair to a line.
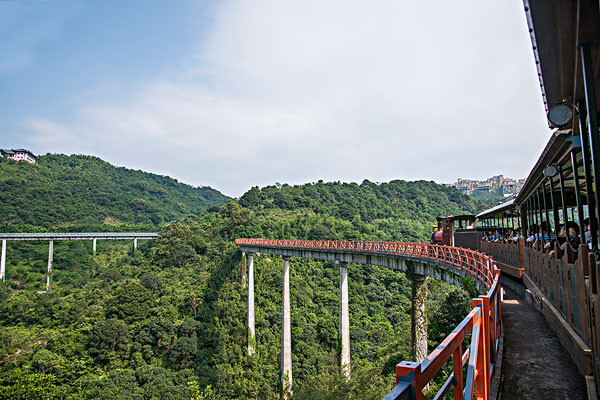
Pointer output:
x,y
484,320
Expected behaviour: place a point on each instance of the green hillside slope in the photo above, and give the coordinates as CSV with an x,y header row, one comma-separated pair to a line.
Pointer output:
x,y
84,190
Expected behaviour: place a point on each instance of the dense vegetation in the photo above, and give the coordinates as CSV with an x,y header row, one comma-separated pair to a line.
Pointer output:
x,y
64,190
169,321
397,210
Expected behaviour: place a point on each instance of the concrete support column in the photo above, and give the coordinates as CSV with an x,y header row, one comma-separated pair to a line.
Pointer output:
x,y
135,243
50,255
286,333
344,322
419,318
94,245
243,271
251,330
3,260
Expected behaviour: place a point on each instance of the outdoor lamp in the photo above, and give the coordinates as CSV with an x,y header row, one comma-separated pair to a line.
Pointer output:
x,y
550,171
560,114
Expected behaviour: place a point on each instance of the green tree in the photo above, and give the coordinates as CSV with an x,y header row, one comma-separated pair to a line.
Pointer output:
x,y
22,384
131,302
109,339
48,362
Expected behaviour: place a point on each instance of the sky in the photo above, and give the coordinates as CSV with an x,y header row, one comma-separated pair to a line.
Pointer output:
x,y
239,93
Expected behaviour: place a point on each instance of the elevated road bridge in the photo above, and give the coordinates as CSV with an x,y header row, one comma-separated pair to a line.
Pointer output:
x,y
51,237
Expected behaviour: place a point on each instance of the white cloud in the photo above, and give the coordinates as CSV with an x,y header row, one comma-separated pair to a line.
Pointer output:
x,y
339,90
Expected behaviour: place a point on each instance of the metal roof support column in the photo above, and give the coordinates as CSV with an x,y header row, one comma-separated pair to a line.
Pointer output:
x,y
50,256
587,173
286,333
562,195
251,329
592,117
532,221
538,212
344,321
546,209
578,195
555,215
527,224
3,260
523,217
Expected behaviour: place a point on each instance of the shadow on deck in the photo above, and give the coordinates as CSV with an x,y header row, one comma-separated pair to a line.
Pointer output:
x,y
534,364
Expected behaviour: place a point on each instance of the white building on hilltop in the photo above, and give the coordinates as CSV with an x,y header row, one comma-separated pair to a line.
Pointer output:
x,y
496,184
19,155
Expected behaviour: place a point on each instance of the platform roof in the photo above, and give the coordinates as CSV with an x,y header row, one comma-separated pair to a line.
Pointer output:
x,y
500,208
557,29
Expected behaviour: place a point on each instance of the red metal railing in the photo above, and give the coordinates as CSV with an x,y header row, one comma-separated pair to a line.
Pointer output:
x,y
483,321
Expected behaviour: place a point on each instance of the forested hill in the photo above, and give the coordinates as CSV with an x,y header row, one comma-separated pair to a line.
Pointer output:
x,y
398,210
64,190
125,324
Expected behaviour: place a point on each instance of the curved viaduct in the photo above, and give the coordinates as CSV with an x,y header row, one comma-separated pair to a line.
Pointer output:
x,y
422,260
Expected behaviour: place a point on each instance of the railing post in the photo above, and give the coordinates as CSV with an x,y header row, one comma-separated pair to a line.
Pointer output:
x,y
482,377
410,372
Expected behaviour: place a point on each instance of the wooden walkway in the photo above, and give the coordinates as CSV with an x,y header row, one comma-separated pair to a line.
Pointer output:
x,y
534,364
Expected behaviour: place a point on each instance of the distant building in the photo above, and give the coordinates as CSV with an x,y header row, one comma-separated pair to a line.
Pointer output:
x,y
496,184
19,155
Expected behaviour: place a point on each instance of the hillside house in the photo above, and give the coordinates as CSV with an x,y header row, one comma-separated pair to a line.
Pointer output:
x,y
19,155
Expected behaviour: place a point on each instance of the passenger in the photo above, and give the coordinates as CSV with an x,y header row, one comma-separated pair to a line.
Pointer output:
x,y
497,236
561,238
544,235
572,241
531,236
515,236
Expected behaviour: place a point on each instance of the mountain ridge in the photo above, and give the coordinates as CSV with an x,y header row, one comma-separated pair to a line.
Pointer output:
x,y
62,190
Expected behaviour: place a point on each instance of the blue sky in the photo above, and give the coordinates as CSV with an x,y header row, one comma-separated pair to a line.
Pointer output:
x,y
58,54
237,93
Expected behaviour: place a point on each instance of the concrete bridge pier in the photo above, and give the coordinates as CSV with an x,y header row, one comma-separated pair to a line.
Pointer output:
x,y
94,245
135,244
243,271
50,256
286,333
3,260
251,330
344,322
419,318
